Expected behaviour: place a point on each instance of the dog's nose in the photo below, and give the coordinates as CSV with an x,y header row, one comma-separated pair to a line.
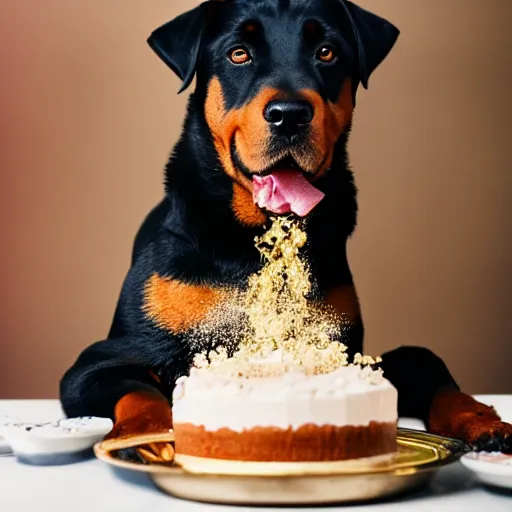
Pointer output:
x,y
288,118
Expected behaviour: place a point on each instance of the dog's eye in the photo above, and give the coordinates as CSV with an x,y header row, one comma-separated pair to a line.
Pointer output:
x,y
239,56
326,54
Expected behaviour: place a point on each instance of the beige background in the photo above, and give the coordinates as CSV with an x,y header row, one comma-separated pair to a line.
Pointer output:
x,y
89,114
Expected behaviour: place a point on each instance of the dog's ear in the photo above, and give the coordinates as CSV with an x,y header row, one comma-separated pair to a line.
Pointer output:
x,y
374,36
178,42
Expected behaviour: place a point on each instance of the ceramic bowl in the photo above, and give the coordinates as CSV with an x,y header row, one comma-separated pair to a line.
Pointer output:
x,y
493,469
61,442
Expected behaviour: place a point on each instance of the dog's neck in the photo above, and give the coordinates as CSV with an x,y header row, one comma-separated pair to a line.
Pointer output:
x,y
200,194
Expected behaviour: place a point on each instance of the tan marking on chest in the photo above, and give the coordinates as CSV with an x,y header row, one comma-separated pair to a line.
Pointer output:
x,y
177,306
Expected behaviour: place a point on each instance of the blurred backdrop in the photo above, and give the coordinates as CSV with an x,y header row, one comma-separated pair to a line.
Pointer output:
x,y
88,116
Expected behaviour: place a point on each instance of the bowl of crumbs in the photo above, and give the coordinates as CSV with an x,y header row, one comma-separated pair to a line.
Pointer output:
x,y
55,443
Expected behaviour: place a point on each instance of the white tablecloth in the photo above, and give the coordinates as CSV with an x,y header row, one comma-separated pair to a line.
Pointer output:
x,y
93,486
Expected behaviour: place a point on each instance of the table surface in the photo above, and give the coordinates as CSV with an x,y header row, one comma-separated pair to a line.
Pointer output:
x,y
95,486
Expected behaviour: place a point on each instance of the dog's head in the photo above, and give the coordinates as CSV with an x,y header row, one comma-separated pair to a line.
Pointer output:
x,y
279,77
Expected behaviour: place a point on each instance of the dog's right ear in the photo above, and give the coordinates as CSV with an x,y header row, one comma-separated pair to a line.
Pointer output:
x,y
178,42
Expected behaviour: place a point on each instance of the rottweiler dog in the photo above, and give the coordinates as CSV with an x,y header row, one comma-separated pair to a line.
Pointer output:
x,y
276,87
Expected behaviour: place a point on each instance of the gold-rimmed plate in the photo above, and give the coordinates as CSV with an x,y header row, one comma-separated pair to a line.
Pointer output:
x,y
418,458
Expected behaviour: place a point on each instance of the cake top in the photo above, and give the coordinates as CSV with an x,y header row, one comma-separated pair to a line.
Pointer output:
x,y
311,361
276,374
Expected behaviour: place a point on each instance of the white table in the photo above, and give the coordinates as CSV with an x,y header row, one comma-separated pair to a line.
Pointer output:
x,y
93,486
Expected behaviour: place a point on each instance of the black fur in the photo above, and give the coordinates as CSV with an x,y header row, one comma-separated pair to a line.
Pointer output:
x,y
193,235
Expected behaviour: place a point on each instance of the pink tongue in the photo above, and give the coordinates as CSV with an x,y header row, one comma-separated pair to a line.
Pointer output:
x,y
285,192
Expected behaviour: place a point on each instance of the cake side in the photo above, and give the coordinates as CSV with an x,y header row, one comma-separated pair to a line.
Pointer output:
x,y
308,443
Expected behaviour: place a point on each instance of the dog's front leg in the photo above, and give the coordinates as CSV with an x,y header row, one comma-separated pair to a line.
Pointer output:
x,y
427,391
129,377
456,414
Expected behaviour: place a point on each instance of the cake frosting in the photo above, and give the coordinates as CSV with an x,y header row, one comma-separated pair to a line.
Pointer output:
x,y
341,398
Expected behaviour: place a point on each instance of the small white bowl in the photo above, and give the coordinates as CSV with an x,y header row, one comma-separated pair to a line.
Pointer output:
x,y
61,442
494,469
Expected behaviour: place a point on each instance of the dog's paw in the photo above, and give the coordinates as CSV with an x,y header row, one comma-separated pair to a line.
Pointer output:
x,y
140,425
145,454
139,414
142,414
458,415
491,437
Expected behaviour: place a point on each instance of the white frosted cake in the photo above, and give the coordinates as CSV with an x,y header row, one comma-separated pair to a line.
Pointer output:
x,y
348,414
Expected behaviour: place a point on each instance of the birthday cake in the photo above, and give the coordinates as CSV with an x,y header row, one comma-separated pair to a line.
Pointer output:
x,y
267,412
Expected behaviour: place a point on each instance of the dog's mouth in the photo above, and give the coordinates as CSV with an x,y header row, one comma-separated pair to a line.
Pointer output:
x,y
286,163
284,187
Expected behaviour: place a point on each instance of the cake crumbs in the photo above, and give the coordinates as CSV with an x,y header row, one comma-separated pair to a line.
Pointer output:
x,y
273,327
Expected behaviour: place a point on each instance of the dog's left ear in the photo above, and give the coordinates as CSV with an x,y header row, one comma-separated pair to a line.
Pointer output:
x,y
374,36
178,42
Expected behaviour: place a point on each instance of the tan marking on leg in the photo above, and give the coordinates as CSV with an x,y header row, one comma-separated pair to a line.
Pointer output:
x,y
177,306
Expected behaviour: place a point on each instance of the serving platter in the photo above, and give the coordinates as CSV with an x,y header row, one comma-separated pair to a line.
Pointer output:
x,y
420,455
